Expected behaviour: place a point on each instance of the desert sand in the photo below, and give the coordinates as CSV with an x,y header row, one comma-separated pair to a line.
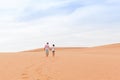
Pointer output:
x,y
95,63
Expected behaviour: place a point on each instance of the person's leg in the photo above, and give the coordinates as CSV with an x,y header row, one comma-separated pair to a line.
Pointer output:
x,y
53,53
47,53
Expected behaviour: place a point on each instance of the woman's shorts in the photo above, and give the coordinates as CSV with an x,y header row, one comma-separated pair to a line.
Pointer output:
x,y
53,51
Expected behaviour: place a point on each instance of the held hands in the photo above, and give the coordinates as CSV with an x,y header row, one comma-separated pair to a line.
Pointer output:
x,y
50,49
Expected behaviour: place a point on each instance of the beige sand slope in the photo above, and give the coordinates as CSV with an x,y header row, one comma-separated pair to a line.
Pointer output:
x,y
98,63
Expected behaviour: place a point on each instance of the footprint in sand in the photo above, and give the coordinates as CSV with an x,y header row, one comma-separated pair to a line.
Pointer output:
x,y
40,72
25,76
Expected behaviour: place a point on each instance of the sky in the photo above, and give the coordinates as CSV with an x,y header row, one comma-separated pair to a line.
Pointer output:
x,y
29,24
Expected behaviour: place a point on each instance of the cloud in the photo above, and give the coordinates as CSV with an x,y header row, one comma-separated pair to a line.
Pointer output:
x,y
41,9
12,4
30,24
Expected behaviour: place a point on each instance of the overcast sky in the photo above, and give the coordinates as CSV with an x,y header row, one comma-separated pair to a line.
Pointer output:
x,y
29,24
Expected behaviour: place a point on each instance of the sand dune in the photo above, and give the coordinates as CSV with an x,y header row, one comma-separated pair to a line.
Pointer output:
x,y
97,63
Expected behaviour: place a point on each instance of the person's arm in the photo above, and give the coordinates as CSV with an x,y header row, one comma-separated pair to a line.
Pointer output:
x,y
44,47
49,48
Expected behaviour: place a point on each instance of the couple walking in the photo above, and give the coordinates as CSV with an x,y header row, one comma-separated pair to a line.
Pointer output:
x,y
47,49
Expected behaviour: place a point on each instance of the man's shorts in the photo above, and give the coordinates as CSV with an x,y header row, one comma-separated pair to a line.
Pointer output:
x,y
47,51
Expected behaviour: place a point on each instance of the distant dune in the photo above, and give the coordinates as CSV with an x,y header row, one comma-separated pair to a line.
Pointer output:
x,y
117,45
71,63
57,48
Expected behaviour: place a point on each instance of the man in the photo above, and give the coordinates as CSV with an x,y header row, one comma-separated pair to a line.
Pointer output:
x,y
47,48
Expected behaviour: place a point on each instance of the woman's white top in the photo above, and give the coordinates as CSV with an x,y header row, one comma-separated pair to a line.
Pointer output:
x,y
53,48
